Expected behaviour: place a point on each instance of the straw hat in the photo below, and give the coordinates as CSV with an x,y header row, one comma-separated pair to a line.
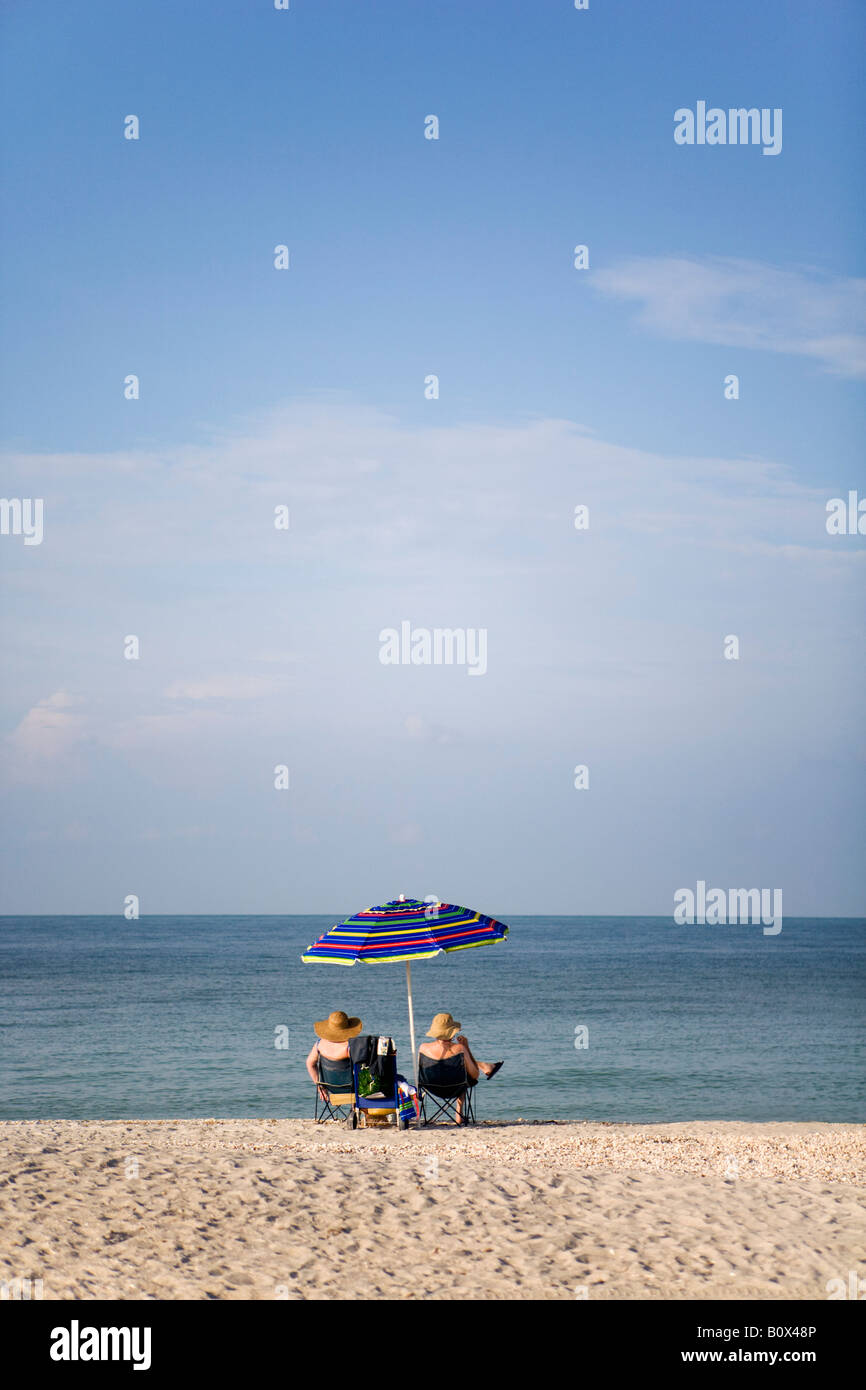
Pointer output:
x,y
338,1027
443,1026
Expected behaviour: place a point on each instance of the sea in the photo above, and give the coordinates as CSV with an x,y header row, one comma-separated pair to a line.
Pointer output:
x,y
596,1018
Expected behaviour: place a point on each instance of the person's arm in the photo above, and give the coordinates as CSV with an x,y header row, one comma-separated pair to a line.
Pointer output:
x,y
312,1059
472,1069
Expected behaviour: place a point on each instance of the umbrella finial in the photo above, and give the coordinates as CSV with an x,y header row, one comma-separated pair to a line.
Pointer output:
x,y
402,898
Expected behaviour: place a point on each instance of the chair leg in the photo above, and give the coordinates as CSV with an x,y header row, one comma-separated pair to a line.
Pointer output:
x,y
444,1106
447,1106
425,1118
325,1111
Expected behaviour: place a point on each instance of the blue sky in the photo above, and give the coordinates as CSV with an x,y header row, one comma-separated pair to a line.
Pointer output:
x,y
305,387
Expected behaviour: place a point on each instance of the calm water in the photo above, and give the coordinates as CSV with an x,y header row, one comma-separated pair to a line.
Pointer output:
x,y
176,1016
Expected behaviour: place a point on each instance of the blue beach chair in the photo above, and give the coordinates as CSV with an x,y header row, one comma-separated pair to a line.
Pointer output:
x,y
386,1099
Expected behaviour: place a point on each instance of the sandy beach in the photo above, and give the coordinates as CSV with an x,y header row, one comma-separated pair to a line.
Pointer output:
x,y
265,1209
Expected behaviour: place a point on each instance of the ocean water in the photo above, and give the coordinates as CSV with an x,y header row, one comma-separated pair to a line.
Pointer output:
x,y
178,1016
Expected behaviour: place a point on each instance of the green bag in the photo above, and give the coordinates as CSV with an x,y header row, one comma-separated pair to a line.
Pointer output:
x,y
366,1084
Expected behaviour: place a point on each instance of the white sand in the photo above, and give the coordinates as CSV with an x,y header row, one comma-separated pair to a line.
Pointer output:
x,y
284,1208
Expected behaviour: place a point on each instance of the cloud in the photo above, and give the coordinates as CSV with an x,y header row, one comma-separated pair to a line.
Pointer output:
x,y
409,833
457,526
44,743
445,503
260,647
749,304
422,730
48,729
172,734
51,743
227,687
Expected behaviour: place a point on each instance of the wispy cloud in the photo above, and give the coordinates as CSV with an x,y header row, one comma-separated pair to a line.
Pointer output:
x,y
227,687
456,526
43,744
481,496
426,732
741,303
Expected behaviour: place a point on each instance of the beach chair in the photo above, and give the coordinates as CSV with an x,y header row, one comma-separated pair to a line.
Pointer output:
x,y
337,1079
445,1082
386,1101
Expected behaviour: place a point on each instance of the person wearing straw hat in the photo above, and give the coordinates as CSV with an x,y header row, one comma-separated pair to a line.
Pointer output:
x,y
448,1041
333,1034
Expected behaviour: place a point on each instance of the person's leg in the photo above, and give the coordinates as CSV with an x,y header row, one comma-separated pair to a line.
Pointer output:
x,y
490,1068
487,1069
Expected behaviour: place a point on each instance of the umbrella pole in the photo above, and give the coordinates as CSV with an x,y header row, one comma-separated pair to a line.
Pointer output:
x,y
412,1024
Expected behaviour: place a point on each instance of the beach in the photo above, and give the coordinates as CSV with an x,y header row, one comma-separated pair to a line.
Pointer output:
x,y
276,1209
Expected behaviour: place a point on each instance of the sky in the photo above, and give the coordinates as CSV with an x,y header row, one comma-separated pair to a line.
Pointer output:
x,y
309,388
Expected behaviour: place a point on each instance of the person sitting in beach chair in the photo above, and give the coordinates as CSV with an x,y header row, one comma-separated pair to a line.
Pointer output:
x,y
447,1071
329,1064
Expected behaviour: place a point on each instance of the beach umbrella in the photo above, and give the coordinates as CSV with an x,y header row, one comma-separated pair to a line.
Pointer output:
x,y
404,929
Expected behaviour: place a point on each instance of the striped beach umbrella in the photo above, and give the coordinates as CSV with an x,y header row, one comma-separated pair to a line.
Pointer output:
x,y
404,929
